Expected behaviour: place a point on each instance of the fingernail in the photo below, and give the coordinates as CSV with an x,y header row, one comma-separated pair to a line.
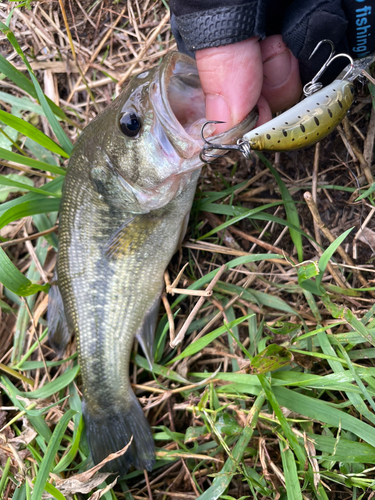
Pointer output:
x,y
277,69
217,109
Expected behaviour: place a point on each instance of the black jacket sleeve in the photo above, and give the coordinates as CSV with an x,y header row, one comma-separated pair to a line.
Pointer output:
x,y
210,23
350,24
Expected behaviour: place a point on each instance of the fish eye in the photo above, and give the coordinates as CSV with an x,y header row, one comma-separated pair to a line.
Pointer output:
x,y
130,123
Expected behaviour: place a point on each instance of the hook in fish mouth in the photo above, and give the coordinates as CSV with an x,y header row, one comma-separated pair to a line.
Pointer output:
x,y
242,146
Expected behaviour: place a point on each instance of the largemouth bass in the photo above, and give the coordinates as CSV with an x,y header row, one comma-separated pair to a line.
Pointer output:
x,y
125,206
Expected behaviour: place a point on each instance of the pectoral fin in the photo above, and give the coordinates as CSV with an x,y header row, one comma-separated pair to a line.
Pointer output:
x,y
184,227
145,335
59,332
120,241
131,235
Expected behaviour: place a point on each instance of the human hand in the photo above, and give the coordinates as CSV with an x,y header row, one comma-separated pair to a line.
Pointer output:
x,y
236,77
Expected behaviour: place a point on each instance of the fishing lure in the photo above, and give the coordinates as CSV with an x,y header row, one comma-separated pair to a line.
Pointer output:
x,y
307,122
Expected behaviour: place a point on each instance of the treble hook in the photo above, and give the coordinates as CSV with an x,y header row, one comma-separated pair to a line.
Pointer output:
x,y
313,86
210,146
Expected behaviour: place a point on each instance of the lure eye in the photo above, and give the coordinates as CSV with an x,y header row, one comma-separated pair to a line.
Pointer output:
x,y
130,123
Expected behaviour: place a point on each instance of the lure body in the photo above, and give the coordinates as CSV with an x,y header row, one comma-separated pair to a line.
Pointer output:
x,y
305,123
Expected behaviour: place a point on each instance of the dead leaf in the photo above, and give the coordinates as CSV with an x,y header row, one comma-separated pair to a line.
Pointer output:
x,y
74,484
367,236
85,476
98,494
26,437
85,482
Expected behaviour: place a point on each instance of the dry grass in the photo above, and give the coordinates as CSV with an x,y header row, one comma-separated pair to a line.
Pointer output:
x,y
82,59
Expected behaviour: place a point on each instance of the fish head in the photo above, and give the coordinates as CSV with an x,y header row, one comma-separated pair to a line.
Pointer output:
x,y
149,138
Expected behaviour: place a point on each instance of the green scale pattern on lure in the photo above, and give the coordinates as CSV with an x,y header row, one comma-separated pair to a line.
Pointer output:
x,y
126,202
313,118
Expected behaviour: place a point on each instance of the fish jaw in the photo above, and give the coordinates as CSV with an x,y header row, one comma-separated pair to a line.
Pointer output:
x,y
145,172
178,103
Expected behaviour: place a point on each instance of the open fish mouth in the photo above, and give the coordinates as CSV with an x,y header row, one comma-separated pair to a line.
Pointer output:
x,y
181,111
179,104
182,93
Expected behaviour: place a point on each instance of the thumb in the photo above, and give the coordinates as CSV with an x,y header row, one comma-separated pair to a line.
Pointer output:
x,y
231,78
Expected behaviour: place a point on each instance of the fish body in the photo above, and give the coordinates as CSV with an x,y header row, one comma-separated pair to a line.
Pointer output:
x,y
126,201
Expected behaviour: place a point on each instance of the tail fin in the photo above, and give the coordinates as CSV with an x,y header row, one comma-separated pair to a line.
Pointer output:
x,y
111,431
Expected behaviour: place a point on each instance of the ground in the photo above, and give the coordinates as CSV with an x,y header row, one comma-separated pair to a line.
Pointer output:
x,y
270,394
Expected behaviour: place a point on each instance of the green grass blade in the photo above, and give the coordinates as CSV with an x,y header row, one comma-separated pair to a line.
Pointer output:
x,y
6,307
290,207
232,332
230,265
69,457
4,477
159,370
34,346
56,127
344,450
238,218
52,387
16,76
24,83
287,431
38,423
54,186
197,346
5,181
20,492
32,132
231,211
223,479
327,254
6,189
356,377
22,103
293,489
359,327
260,298
44,222
13,279
368,191
41,206
23,317
30,162
49,457
52,490
324,412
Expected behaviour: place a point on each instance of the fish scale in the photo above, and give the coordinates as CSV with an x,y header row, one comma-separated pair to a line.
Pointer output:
x,y
97,283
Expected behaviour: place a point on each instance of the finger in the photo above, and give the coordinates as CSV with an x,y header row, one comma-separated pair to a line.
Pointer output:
x,y
264,110
231,78
282,85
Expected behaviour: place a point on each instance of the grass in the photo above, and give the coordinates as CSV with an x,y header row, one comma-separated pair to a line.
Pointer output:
x,y
271,393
